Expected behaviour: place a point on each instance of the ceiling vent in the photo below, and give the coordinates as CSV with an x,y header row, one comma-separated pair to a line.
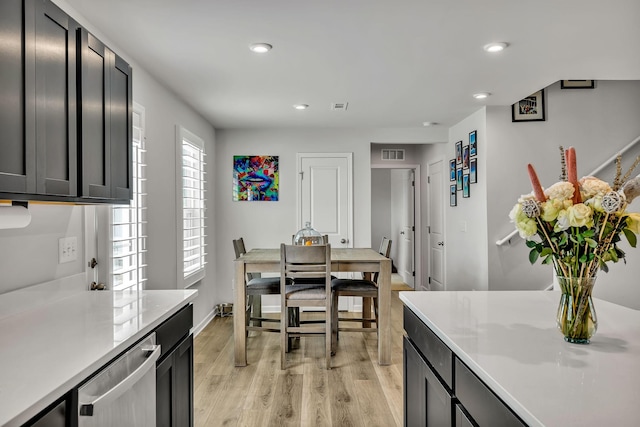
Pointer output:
x,y
392,154
339,106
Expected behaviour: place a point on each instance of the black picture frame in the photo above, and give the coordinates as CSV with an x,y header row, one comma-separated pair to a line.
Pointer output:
x,y
459,152
473,143
459,179
529,109
473,171
465,157
466,186
452,170
577,84
453,195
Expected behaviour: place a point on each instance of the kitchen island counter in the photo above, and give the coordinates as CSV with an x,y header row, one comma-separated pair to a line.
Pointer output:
x,y
52,341
509,340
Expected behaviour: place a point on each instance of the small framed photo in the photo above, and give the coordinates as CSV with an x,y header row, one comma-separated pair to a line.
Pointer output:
x,y
529,109
458,152
465,185
452,170
459,179
473,171
473,143
453,196
577,84
465,157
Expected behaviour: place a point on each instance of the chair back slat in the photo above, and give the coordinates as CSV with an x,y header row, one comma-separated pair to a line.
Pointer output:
x,y
385,250
308,262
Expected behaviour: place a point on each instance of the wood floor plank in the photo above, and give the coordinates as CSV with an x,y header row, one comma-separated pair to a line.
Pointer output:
x,y
355,392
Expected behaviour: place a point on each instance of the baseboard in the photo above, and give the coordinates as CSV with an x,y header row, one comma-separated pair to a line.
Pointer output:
x,y
200,327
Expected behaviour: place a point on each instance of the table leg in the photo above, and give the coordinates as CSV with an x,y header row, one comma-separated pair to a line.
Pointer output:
x,y
239,316
384,313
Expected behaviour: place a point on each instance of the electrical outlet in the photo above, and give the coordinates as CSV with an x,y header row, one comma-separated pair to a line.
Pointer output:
x,y
67,249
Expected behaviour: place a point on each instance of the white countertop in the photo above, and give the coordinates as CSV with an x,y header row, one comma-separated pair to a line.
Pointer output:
x,y
510,340
51,341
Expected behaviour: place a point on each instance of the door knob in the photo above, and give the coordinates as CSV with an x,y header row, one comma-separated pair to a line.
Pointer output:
x,y
343,240
402,232
440,243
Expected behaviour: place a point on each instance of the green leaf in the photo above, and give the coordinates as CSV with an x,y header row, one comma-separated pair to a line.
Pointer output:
x,y
592,243
631,237
563,240
533,256
589,233
583,259
546,252
531,244
547,260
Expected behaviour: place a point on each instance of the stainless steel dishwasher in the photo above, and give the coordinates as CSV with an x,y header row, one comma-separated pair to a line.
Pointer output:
x,y
124,392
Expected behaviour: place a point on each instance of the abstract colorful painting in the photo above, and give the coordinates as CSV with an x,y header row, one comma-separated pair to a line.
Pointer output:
x,y
255,178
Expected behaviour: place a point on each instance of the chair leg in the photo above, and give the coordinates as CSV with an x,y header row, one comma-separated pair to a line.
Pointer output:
x,y
334,322
284,337
366,312
328,340
256,309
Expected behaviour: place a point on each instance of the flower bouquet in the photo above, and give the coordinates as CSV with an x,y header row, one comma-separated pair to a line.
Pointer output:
x,y
576,225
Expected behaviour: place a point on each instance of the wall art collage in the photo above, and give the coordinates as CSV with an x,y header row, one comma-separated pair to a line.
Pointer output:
x,y
463,170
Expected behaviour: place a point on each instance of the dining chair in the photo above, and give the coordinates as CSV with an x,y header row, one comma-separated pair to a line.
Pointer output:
x,y
367,287
303,263
256,287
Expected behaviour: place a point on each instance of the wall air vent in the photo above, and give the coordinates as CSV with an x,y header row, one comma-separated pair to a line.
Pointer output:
x,y
339,106
392,154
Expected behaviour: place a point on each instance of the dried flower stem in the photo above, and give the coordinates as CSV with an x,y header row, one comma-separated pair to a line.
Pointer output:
x,y
563,165
617,181
572,174
628,174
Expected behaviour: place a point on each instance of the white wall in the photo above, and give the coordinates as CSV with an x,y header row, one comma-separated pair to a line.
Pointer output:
x,y
598,123
466,223
380,205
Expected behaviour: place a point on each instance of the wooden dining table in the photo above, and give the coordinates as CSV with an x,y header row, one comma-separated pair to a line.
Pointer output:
x,y
342,260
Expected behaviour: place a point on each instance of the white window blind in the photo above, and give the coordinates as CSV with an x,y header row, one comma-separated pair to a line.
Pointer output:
x,y
192,175
129,223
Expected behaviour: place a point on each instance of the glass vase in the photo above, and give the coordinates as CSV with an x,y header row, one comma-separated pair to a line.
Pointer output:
x,y
576,317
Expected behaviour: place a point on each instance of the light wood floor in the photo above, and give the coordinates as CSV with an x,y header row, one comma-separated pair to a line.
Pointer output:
x,y
355,392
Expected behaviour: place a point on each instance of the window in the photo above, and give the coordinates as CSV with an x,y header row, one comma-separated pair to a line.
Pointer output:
x,y
191,217
127,241
128,223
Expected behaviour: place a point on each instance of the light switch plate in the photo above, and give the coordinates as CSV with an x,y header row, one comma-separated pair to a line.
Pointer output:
x,y
67,249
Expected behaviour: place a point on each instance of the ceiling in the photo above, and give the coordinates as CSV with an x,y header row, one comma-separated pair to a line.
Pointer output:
x,y
396,63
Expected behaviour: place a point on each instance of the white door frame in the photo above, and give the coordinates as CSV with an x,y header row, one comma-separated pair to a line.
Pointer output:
x,y
417,283
349,157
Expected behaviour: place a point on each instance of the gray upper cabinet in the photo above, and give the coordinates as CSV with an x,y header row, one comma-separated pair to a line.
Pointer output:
x,y
106,115
67,109
17,150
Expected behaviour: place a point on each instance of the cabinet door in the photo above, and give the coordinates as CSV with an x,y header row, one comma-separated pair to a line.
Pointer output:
x,y
17,143
54,69
95,87
121,121
426,400
174,387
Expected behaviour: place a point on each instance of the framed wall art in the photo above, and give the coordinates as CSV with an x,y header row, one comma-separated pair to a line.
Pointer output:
x,y
465,185
577,84
473,171
465,157
459,152
459,179
255,178
453,195
473,143
529,109
452,170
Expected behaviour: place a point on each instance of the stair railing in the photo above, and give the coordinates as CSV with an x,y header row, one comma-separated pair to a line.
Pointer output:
x,y
508,237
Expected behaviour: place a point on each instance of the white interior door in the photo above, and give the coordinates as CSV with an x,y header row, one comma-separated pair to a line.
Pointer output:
x,y
436,227
325,199
405,240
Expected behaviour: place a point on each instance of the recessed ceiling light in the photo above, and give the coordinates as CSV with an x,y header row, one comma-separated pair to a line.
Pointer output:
x,y
481,95
300,106
260,47
429,123
496,47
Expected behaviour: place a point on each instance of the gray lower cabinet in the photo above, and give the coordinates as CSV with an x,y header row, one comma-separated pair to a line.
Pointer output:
x,y
440,390
174,371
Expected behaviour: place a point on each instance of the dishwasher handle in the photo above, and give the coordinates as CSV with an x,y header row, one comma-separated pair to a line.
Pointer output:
x,y
87,408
